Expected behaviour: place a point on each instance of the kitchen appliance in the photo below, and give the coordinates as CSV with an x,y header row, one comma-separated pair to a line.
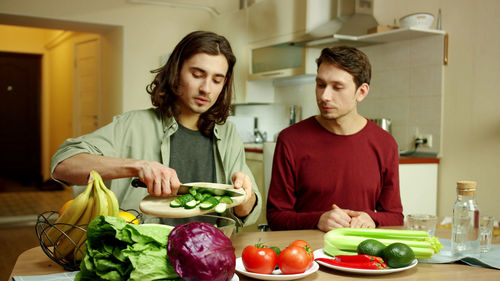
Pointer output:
x,y
384,123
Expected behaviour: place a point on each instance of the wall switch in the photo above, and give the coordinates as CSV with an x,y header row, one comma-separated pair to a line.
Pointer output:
x,y
424,140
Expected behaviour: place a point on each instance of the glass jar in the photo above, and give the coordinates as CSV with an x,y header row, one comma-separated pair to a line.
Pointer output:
x,y
465,226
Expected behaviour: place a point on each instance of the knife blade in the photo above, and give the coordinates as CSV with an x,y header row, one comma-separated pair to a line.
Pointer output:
x,y
217,189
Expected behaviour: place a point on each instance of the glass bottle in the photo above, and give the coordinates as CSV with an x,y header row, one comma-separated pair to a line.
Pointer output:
x,y
465,225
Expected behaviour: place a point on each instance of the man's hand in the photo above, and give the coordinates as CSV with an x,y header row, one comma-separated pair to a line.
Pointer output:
x,y
360,219
160,179
334,218
243,181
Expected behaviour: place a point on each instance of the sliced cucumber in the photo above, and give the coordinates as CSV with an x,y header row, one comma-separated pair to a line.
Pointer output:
x,y
221,207
209,203
204,200
206,196
199,196
175,203
193,191
226,199
185,198
191,204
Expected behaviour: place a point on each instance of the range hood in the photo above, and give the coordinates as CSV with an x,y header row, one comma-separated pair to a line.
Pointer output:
x,y
328,17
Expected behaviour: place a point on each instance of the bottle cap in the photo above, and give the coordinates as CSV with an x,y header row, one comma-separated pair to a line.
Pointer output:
x,y
466,187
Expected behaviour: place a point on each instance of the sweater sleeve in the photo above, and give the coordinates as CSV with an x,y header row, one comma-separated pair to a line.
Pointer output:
x,y
389,210
281,214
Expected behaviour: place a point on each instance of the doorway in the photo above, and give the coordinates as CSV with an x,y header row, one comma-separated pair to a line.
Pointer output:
x,y
20,115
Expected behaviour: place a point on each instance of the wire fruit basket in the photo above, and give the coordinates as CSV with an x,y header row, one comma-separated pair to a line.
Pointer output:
x,y
56,248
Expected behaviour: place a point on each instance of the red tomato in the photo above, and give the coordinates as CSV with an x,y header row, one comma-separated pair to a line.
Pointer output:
x,y
294,260
300,243
259,259
305,245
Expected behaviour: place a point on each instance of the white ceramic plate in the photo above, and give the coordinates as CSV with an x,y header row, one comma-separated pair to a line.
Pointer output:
x,y
321,254
276,275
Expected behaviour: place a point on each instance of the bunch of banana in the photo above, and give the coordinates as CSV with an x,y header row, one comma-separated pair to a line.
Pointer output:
x,y
67,234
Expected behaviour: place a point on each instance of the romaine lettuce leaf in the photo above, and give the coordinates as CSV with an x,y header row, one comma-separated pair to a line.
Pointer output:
x,y
117,250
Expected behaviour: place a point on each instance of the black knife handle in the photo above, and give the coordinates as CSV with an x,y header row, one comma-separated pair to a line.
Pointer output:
x,y
138,183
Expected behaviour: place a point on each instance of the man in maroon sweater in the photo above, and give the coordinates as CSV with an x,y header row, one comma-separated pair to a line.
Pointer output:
x,y
336,169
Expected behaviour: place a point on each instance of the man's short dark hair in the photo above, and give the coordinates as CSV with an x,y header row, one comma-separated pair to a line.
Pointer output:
x,y
349,59
163,89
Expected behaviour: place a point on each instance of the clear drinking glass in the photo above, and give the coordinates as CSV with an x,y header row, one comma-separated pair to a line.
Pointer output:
x,y
422,222
486,232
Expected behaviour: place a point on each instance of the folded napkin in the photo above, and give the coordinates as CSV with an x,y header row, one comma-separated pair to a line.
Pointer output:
x,y
64,276
491,259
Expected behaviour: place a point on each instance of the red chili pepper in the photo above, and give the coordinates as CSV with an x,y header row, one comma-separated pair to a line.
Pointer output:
x,y
359,258
359,265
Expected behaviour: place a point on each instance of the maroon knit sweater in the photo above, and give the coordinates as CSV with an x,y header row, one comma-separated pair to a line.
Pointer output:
x,y
314,168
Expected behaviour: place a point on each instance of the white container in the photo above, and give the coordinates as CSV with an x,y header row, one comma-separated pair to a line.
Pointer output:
x,y
417,20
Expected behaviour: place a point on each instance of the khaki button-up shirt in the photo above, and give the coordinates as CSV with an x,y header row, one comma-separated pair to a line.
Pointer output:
x,y
145,135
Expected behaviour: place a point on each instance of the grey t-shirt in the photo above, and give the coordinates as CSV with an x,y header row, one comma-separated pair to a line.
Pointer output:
x,y
192,156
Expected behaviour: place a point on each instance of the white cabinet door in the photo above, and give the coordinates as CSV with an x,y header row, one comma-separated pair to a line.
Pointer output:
x,y
418,187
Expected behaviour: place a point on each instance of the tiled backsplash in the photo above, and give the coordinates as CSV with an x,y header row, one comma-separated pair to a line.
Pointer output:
x,y
406,87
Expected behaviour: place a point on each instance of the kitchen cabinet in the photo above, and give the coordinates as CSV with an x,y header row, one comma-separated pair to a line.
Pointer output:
x,y
255,161
274,20
233,26
418,188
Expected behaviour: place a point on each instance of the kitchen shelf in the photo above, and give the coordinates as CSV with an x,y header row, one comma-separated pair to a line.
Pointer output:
x,y
377,38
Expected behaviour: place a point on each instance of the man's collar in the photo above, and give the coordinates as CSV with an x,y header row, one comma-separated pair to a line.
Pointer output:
x,y
170,122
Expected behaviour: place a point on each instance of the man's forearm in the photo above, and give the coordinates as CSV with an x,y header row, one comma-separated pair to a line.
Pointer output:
x,y
76,169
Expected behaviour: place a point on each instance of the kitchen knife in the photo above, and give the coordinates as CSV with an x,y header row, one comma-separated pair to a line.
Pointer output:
x,y
217,189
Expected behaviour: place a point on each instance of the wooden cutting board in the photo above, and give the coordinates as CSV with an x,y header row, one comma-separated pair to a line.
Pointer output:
x,y
160,207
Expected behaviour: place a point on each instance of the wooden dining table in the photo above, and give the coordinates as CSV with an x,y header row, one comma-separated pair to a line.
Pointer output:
x,y
35,262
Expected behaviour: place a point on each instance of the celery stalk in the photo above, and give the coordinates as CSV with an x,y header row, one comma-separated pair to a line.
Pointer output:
x,y
346,240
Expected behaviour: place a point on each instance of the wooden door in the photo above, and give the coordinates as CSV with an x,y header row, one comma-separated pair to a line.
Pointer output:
x,y
20,116
87,87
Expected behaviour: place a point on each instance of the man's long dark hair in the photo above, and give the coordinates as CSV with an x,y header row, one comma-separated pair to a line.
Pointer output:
x,y
163,89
